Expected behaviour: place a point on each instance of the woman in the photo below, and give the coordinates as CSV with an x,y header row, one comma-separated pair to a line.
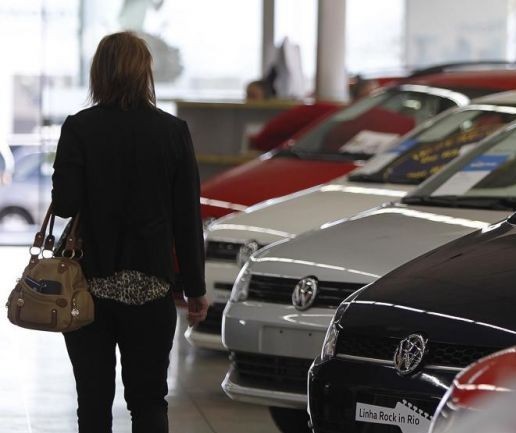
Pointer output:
x,y
129,169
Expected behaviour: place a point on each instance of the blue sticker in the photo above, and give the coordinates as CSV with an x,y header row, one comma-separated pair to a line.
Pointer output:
x,y
486,163
404,146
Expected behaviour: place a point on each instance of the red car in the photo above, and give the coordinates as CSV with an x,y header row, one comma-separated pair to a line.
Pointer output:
x,y
287,124
474,387
335,145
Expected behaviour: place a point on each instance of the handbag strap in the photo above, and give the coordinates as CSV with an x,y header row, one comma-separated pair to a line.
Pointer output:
x,y
72,241
50,240
40,235
42,243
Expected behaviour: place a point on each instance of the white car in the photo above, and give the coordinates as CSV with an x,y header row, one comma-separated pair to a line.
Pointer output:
x,y
387,177
286,294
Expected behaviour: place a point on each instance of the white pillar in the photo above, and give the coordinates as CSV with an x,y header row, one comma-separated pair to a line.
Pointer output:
x,y
267,34
331,82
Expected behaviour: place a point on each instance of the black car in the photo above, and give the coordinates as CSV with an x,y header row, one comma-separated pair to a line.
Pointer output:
x,y
395,346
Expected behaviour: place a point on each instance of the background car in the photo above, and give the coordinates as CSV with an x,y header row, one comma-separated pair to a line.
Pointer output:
x,y
386,177
286,125
319,154
328,150
25,200
285,295
401,340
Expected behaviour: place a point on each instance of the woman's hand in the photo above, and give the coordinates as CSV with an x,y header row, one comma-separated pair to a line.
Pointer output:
x,y
197,309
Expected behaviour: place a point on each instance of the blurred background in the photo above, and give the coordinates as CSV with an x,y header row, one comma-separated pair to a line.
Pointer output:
x,y
205,55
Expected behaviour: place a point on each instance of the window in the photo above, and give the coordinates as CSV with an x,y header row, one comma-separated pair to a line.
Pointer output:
x,y
435,147
297,20
375,36
370,125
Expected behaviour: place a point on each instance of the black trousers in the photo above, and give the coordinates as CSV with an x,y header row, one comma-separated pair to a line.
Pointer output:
x,y
144,334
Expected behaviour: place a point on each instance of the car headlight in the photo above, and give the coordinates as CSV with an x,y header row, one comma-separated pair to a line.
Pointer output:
x,y
330,342
332,334
246,251
241,286
205,224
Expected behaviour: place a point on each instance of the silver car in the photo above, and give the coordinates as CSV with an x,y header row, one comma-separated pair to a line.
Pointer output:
x,y
25,199
387,177
286,294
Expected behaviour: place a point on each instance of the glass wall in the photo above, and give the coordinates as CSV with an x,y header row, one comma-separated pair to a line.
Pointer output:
x,y
297,21
202,49
375,36
374,41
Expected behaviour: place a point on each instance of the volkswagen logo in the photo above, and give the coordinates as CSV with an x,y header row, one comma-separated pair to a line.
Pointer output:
x,y
305,293
409,354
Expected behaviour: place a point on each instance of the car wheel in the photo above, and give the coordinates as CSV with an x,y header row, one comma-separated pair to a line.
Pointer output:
x,y
290,420
15,218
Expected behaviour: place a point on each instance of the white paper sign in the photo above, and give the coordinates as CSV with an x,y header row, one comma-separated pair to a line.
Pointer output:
x,y
369,142
377,162
473,173
405,415
466,148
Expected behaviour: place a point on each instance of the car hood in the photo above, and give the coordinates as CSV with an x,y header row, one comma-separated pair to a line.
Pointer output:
x,y
372,243
264,178
286,217
460,293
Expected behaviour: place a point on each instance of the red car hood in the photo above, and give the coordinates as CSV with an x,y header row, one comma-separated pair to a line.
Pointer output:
x,y
263,179
488,376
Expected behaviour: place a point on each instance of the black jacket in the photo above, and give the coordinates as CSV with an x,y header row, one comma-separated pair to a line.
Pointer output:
x,y
133,177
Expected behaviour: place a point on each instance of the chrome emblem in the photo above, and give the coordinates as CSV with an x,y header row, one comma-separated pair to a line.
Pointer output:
x,y
409,354
246,250
305,293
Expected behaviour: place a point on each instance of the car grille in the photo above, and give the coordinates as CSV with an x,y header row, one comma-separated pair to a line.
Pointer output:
x,y
383,348
213,322
227,251
279,290
272,371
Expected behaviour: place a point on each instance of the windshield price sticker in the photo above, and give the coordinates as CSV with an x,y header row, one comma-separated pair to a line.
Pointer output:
x,y
472,174
380,161
404,146
405,415
369,142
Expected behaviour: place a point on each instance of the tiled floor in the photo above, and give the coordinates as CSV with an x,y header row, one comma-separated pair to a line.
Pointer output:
x,y
37,392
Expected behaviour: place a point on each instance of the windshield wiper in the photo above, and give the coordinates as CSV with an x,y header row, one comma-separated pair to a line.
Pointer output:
x,y
494,203
287,153
379,177
373,178
330,156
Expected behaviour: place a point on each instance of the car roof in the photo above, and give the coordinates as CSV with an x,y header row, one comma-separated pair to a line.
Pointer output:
x,y
494,80
502,98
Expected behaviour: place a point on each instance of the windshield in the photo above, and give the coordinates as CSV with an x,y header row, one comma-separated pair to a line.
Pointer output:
x,y
424,154
370,125
483,179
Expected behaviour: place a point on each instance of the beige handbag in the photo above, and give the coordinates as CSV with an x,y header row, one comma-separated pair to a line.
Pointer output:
x,y
52,294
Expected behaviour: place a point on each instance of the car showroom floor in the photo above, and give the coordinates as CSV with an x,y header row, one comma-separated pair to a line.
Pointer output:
x,y
37,392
